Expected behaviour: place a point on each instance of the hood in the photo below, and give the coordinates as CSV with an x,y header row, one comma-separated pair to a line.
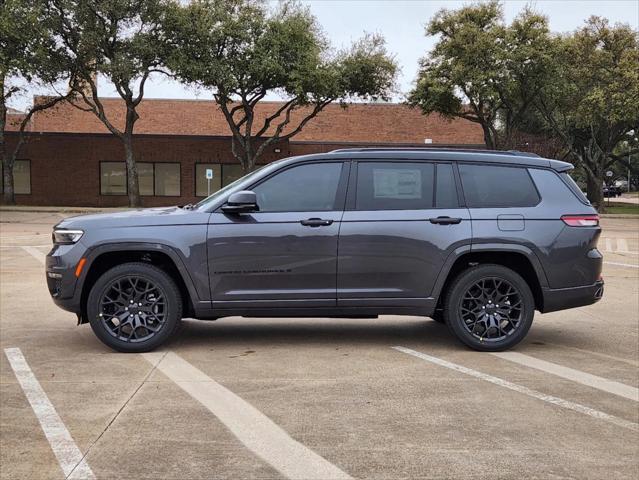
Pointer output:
x,y
136,218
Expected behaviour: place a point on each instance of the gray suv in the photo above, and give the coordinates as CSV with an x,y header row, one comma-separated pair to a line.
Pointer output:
x,y
477,240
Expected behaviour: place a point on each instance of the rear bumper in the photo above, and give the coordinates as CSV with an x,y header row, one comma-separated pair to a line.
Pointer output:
x,y
563,298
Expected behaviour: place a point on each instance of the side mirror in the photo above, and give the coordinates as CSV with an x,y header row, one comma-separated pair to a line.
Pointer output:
x,y
244,201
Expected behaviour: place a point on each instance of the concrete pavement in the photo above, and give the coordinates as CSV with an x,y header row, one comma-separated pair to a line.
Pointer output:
x,y
337,389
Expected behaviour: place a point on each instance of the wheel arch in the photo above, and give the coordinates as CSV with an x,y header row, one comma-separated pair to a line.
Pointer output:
x,y
516,257
107,256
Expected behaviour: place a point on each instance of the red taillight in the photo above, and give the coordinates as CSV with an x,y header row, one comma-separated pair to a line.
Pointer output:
x,y
581,220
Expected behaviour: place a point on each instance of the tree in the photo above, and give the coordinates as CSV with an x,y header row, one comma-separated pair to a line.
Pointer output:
x,y
28,57
483,70
592,104
122,41
242,51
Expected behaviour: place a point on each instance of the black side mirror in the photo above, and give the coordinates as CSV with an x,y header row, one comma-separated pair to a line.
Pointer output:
x,y
244,201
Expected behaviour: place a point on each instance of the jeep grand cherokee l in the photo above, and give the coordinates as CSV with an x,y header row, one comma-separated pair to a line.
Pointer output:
x,y
478,240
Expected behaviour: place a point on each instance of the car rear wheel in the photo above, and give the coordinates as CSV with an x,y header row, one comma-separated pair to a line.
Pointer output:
x,y
134,307
489,308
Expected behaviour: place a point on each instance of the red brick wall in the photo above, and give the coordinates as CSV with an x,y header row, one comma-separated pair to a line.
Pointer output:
x,y
65,168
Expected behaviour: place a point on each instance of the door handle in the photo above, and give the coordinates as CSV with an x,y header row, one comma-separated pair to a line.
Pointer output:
x,y
316,222
445,221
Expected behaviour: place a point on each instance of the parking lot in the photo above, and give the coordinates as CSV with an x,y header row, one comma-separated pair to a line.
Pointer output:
x,y
394,397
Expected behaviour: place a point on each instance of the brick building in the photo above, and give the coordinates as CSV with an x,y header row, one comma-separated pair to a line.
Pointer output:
x,y
70,158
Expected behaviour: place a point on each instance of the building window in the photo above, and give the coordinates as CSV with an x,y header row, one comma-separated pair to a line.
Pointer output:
x,y
21,177
222,176
201,183
167,179
112,178
145,178
155,179
230,173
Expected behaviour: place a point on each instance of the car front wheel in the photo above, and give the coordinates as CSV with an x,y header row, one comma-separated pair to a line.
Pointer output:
x,y
134,307
489,308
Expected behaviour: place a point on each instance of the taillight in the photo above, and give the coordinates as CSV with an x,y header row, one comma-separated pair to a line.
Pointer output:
x,y
581,220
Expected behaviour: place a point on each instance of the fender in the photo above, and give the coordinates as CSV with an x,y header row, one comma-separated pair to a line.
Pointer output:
x,y
487,247
515,248
94,253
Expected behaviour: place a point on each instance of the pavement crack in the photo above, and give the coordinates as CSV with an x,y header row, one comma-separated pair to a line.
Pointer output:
x,y
117,414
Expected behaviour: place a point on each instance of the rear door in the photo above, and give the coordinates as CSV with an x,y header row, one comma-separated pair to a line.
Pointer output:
x,y
403,219
285,254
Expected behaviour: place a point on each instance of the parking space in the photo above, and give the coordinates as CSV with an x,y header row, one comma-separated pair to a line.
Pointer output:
x,y
394,397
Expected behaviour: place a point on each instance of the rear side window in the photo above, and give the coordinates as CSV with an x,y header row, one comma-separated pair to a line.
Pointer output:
x,y
394,186
487,186
574,188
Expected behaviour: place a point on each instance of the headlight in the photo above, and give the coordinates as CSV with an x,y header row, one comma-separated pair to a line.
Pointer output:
x,y
66,237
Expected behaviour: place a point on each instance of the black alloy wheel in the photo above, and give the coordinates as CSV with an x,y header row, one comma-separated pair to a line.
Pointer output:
x,y
489,307
134,307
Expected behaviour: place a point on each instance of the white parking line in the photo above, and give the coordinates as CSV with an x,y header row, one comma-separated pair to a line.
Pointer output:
x,y
251,427
524,390
622,264
35,253
622,245
66,451
600,383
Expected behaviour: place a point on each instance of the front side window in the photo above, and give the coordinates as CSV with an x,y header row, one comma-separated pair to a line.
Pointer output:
x,y
311,187
491,186
394,186
112,178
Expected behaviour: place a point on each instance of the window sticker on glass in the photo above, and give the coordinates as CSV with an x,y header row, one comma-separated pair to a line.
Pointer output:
x,y
400,183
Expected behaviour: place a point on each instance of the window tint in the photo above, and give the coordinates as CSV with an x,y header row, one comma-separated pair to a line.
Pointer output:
x,y
493,186
446,189
394,186
310,187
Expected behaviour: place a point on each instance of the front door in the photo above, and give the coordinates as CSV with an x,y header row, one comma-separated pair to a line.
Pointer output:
x,y
402,221
285,254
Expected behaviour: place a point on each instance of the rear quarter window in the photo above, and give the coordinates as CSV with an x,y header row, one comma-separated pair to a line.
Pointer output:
x,y
489,186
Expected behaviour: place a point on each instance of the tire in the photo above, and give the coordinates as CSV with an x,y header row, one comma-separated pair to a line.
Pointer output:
x,y
438,316
151,292
482,324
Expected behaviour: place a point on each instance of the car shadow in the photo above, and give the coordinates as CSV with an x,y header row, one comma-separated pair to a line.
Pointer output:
x,y
313,332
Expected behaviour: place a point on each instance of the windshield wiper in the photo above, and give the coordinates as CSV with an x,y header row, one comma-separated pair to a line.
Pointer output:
x,y
189,206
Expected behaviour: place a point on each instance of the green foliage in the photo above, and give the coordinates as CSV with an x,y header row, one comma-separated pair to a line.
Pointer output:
x,y
484,70
122,40
242,50
592,103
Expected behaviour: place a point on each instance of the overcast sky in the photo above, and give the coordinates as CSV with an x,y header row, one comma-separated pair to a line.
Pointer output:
x,y
402,24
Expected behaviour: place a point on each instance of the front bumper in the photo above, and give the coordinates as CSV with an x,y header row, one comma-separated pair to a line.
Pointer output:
x,y
563,298
60,266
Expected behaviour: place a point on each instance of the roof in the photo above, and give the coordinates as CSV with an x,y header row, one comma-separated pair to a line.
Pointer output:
x,y
359,122
448,154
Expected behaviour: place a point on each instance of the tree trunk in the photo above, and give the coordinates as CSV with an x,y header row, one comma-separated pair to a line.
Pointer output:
x,y
594,182
133,186
8,192
489,140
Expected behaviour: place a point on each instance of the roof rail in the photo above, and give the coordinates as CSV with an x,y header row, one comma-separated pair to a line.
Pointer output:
x,y
434,149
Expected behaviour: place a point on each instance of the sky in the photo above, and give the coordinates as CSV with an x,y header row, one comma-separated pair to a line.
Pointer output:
x,y
402,23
